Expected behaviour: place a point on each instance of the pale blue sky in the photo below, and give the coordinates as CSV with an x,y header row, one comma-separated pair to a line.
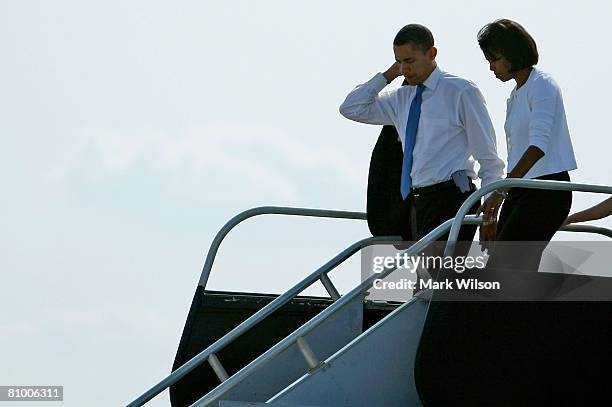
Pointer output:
x,y
131,131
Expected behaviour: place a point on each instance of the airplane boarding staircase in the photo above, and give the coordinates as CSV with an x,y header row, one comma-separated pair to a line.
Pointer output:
x,y
347,352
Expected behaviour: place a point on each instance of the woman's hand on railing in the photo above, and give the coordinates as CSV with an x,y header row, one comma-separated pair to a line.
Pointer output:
x,y
490,210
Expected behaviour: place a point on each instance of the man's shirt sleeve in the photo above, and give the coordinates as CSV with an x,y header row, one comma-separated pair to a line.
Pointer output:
x,y
480,135
365,103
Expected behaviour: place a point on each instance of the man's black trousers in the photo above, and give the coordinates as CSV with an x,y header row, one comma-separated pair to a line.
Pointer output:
x,y
430,207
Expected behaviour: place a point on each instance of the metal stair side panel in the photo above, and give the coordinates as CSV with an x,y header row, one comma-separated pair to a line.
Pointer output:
x,y
288,366
376,369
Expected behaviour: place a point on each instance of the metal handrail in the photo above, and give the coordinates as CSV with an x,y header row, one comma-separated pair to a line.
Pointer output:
x,y
268,210
587,229
256,318
264,358
514,182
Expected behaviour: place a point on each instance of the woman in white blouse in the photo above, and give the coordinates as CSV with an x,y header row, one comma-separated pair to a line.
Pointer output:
x,y
539,146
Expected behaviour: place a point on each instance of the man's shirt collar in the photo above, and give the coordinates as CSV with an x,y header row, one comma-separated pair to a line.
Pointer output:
x,y
432,80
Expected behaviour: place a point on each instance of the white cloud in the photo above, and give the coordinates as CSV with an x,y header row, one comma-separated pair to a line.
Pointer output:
x,y
118,321
255,158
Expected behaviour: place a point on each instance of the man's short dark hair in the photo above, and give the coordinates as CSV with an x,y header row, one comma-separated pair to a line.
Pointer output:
x,y
509,39
415,34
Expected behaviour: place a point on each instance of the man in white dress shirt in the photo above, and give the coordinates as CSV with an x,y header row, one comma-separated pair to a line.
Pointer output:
x,y
453,129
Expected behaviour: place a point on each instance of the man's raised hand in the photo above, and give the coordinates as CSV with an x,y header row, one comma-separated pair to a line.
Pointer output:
x,y
393,72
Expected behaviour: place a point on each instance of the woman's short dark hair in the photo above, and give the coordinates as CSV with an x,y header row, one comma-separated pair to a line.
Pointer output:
x,y
509,39
416,34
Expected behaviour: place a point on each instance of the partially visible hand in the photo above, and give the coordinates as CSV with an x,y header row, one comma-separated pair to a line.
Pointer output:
x,y
488,229
393,72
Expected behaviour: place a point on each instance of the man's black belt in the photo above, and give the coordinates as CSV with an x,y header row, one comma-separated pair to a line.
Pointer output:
x,y
433,188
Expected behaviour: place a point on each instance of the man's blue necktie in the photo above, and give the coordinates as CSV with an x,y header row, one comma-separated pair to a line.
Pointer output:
x,y
411,130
